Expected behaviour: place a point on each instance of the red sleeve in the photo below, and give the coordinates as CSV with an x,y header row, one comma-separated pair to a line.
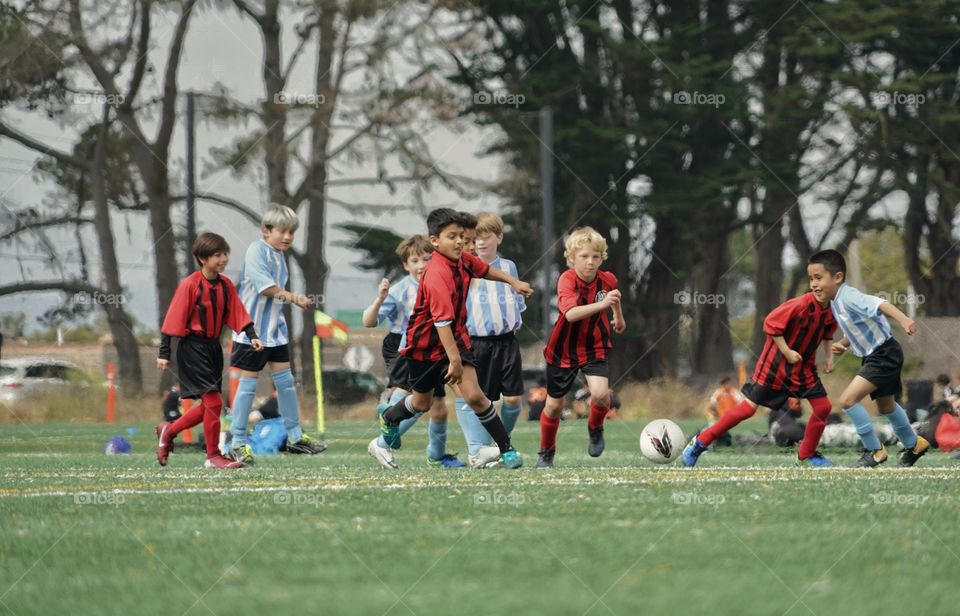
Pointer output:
x,y
776,322
237,315
566,292
609,279
178,312
475,266
437,290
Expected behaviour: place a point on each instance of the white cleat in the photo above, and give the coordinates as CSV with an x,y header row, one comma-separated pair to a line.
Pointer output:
x,y
486,457
383,455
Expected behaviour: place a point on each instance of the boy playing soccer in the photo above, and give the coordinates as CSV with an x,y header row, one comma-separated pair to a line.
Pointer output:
x,y
493,318
393,306
204,302
261,288
787,368
580,339
866,331
437,343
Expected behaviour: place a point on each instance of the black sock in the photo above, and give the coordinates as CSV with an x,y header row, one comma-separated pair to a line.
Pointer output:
x,y
491,421
398,412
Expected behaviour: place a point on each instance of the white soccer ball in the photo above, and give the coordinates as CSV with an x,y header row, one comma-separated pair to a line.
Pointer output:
x,y
662,441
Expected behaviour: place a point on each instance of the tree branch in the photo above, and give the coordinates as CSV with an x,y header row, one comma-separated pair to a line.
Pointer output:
x,y
36,286
169,108
21,226
46,150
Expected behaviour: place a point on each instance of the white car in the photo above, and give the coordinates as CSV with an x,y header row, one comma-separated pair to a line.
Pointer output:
x,y
29,376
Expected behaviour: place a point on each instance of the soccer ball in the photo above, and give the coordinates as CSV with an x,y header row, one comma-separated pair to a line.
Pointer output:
x,y
662,441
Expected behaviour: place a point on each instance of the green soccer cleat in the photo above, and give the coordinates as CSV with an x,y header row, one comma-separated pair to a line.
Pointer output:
x,y
511,459
308,445
390,434
243,454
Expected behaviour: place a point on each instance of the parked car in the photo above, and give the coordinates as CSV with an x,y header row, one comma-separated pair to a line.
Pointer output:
x,y
21,378
345,386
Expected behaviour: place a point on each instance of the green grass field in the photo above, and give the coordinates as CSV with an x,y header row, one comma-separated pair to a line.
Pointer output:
x,y
746,533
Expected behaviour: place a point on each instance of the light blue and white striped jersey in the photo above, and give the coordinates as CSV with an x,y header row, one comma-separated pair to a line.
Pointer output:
x,y
395,310
493,308
263,267
860,319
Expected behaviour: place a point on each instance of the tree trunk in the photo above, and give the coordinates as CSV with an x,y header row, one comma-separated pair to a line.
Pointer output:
x,y
713,352
274,113
121,326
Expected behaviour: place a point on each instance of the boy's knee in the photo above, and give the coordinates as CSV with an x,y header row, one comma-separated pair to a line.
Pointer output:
x,y
438,413
553,406
511,400
477,400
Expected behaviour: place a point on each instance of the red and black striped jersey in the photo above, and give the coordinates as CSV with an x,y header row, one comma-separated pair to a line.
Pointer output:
x,y
201,307
575,344
441,300
804,325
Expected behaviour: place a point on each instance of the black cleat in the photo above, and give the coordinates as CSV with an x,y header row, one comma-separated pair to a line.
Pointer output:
x,y
909,457
545,458
595,448
870,459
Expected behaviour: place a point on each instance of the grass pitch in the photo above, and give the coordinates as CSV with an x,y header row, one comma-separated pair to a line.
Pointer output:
x,y
744,533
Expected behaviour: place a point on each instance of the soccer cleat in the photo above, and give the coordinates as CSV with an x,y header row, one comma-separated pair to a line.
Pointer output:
x,y
486,457
448,460
545,458
511,459
390,434
383,455
691,453
307,444
242,454
219,461
596,445
817,459
909,457
869,459
164,443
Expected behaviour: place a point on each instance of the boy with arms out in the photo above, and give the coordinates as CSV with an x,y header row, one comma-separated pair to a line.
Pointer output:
x,y
863,320
580,340
392,307
493,318
787,368
261,288
203,303
437,343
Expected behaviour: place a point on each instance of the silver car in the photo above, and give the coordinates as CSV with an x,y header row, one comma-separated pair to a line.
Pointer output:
x,y
23,377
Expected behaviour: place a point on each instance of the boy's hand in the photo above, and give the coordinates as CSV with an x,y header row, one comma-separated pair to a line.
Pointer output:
x,y
792,356
383,289
256,344
838,349
828,367
618,324
523,288
302,301
454,372
162,364
909,326
611,298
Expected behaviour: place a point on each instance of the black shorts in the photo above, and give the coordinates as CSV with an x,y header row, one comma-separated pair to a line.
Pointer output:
x,y
560,380
245,358
390,350
776,398
424,376
498,365
883,368
199,366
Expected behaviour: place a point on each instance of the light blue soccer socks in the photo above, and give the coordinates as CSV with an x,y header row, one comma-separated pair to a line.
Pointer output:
x,y
473,431
901,427
861,420
437,445
242,402
509,415
287,401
